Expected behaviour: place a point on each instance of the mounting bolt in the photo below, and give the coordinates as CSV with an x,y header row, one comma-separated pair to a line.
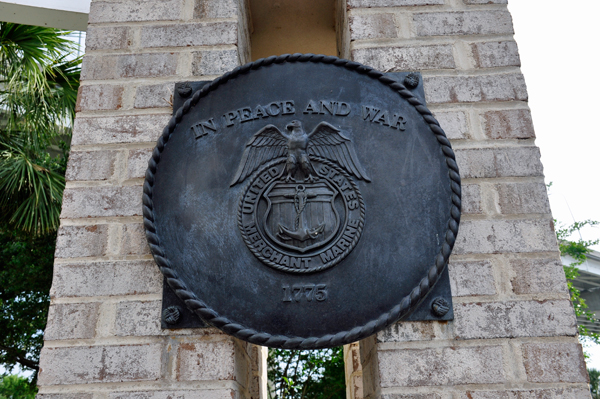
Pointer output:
x,y
440,307
171,314
411,80
184,90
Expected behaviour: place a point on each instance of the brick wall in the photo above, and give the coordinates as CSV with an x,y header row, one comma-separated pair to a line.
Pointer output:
x,y
514,333
103,339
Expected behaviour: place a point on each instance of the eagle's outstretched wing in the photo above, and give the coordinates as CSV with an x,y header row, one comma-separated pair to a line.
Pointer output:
x,y
267,144
327,141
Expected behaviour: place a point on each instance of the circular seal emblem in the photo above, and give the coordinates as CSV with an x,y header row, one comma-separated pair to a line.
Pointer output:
x,y
305,224
303,201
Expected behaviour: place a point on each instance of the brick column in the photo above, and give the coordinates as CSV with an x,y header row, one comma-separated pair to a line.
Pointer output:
x,y
103,339
514,333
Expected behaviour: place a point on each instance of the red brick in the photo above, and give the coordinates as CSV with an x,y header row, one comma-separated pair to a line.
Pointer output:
x,y
535,276
514,319
106,279
496,54
81,241
91,165
554,362
82,202
466,89
508,124
101,364
190,34
372,26
463,23
441,366
119,129
99,98
406,58
97,67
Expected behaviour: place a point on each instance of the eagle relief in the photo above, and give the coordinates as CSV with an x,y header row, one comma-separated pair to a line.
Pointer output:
x,y
301,211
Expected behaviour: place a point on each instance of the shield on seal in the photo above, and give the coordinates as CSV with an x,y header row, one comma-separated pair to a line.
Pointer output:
x,y
301,217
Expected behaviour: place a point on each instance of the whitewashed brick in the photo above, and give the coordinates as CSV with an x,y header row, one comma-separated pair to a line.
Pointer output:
x,y
534,276
215,9
454,124
499,162
508,124
81,241
214,62
406,58
441,366
99,98
516,198
514,319
191,394
372,26
553,393
71,321
134,240
91,165
154,96
405,331
204,361
391,3
471,199
137,162
132,10
495,54
138,318
106,279
463,23
107,37
505,236
81,202
554,362
119,129
191,34
460,89
97,67
485,1
74,365
471,278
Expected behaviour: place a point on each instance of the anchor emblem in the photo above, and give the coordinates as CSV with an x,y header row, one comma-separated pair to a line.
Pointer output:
x,y
299,233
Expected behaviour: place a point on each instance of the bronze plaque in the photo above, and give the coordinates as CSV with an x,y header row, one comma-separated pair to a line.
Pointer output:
x,y
303,201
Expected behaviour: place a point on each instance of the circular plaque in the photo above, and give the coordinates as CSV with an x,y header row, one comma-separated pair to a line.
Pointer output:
x,y
302,201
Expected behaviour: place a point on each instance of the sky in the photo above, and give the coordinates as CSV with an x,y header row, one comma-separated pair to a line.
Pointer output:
x,y
559,43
